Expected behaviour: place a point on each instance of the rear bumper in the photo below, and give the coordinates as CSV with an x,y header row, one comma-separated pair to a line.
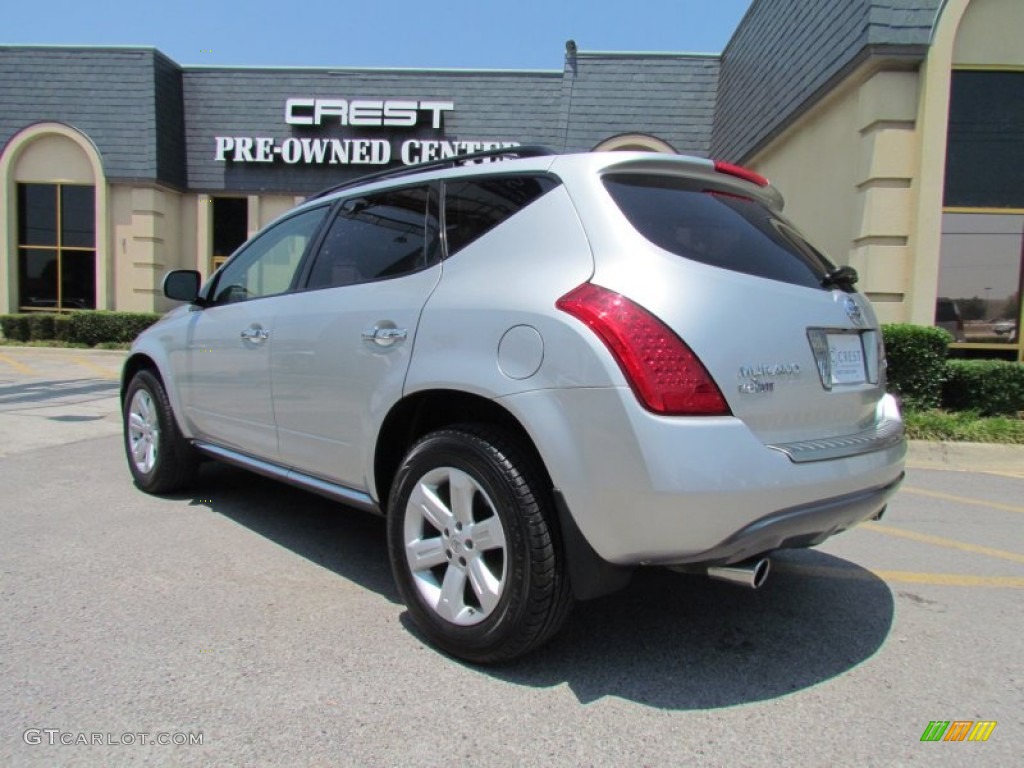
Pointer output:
x,y
646,489
803,526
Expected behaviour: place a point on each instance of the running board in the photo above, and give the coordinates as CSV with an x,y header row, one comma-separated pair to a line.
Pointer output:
x,y
324,488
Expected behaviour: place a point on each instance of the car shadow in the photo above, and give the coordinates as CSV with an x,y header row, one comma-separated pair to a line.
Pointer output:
x,y
676,641
349,542
669,640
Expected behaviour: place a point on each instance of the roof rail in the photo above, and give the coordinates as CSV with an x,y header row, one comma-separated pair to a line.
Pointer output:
x,y
531,150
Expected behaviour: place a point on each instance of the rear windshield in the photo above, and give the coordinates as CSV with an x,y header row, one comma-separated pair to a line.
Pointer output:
x,y
717,228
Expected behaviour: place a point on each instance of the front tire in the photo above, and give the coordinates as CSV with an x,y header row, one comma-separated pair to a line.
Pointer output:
x,y
474,547
159,458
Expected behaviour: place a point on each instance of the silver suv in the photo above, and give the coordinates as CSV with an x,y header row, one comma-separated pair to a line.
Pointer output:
x,y
544,371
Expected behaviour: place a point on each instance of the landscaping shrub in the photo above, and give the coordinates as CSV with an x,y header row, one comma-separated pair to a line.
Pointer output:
x,y
917,363
93,328
15,327
40,327
62,327
990,387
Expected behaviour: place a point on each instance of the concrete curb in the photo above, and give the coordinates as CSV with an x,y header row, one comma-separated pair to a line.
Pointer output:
x,y
967,457
58,351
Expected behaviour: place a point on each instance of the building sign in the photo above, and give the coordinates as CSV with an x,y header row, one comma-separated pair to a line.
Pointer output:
x,y
304,111
357,113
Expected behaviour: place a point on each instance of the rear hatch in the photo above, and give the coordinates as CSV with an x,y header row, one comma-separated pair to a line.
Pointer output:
x,y
794,349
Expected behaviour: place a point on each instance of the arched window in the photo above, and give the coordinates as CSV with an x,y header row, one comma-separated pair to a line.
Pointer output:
x,y
54,178
634,142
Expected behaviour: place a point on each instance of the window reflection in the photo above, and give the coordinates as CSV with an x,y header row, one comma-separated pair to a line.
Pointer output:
x,y
980,277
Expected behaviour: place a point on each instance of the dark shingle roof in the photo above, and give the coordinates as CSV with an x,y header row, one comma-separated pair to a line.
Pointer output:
x,y
786,53
670,96
109,94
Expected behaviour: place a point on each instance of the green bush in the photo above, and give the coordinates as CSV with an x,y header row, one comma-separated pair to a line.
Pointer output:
x,y
917,363
62,327
40,327
93,328
15,327
990,387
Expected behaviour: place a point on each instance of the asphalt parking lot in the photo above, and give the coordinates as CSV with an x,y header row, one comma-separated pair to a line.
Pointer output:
x,y
264,620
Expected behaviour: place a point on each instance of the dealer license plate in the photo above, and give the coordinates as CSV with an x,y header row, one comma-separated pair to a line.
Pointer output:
x,y
846,353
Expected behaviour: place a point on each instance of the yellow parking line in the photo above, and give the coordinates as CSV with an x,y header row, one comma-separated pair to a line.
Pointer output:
x,y
951,579
908,577
100,371
938,541
963,500
18,366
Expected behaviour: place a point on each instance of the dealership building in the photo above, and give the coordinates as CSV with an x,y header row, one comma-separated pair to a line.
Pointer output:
x,y
894,129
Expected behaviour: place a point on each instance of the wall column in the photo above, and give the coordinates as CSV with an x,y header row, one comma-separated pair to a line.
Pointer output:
x,y
880,252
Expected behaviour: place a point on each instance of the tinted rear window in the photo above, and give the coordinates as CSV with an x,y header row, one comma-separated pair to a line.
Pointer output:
x,y
716,228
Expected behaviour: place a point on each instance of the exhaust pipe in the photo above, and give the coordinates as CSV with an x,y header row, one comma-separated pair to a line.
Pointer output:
x,y
751,573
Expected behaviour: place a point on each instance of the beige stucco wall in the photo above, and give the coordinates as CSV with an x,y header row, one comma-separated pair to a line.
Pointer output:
x,y
989,34
272,206
814,169
147,241
846,170
53,158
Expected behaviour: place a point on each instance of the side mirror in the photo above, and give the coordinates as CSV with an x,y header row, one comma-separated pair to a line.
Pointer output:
x,y
182,285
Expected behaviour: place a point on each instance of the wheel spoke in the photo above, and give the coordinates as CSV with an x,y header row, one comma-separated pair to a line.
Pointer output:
x,y
485,585
488,534
426,553
462,489
142,403
136,422
452,601
430,507
139,451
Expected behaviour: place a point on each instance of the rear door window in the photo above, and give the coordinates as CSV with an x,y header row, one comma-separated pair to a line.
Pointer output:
x,y
717,228
474,207
378,237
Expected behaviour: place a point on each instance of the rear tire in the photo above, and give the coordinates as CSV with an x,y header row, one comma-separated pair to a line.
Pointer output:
x,y
474,545
159,458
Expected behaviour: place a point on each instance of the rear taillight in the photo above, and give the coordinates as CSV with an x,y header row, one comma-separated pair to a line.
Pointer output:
x,y
665,374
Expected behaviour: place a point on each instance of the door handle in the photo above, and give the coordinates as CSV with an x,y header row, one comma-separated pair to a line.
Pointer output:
x,y
255,334
384,337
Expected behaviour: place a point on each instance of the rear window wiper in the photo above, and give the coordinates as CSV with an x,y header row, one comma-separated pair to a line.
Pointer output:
x,y
841,277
